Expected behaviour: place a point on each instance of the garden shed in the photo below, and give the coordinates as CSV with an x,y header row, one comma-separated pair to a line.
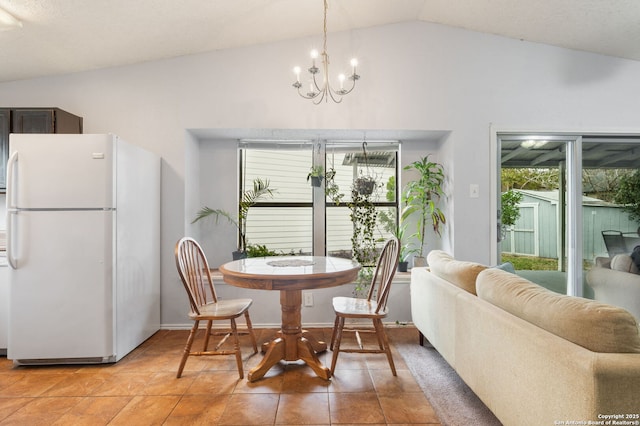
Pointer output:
x,y
536,231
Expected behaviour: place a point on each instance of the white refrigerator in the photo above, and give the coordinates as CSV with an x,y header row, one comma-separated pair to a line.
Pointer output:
x,y
83,225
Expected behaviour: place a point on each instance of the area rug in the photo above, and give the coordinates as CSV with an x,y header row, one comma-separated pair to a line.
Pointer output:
x,y
453,401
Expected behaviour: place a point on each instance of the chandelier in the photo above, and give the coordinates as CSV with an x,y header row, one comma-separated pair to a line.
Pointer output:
x,y
318,92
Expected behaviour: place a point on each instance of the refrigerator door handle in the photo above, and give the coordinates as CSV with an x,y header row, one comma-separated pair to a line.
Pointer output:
x,y
11,209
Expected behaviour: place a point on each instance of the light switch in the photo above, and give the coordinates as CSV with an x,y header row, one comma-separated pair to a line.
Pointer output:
x,y
474,190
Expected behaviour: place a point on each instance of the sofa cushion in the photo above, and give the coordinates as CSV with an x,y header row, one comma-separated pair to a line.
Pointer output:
x,y
624,263
594,325
506,266
458,272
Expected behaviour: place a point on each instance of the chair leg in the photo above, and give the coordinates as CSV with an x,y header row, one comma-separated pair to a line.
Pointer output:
x,y
379,336
338,339
333,333
207,336
387,348
236,347
250,328
187,348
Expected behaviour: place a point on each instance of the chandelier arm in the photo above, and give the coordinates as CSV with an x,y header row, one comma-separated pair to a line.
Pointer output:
x,y
343,92
319,97
333,98
315,83
305,96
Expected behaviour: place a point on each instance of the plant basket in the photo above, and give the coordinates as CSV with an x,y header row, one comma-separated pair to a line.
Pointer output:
x,y
237,255
316,181
365,185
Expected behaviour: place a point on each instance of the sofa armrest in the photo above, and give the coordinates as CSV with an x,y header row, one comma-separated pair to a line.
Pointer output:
x,y
603,262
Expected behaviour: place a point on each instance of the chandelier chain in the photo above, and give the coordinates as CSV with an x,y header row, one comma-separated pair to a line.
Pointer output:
x,y
326,6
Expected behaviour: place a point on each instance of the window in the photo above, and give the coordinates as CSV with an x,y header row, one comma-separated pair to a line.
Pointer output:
x,y
302,219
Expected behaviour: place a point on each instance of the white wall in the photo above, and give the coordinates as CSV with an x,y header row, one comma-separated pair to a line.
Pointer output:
x,y
416,76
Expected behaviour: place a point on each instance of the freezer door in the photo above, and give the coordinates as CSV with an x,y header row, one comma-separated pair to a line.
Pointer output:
x,y
61,294
61,171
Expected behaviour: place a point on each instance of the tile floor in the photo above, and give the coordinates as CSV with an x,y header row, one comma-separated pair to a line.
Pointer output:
x,y
142,389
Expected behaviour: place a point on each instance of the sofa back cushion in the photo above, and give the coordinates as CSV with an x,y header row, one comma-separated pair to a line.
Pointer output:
x,y
458,272
594,325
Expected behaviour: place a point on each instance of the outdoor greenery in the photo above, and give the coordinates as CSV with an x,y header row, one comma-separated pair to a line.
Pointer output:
x,y
509,207
538,179
530,263
628,195
598,183
533,263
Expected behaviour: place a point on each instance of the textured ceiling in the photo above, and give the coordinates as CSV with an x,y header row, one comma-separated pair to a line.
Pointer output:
x,y
62,36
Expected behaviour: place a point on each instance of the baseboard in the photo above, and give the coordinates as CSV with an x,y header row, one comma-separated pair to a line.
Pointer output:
x,y
187,326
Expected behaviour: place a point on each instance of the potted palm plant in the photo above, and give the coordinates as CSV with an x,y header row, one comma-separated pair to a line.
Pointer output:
x,y
249,198
421,196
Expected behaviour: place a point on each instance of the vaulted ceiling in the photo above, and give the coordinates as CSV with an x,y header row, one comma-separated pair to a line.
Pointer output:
x,y
64,36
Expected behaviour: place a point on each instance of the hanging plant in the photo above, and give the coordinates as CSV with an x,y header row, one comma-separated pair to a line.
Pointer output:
x,y
363,217
331,188
316,175
365,185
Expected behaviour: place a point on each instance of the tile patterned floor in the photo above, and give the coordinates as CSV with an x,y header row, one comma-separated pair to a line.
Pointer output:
x,y
142,389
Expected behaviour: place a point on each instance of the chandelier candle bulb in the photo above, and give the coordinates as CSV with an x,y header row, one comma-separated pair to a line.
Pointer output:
x,y
321,89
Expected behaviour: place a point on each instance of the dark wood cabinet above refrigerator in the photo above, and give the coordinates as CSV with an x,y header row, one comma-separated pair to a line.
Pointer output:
x,y
32,120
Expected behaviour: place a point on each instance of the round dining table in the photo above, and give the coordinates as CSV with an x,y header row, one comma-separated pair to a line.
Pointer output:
x,y
290,275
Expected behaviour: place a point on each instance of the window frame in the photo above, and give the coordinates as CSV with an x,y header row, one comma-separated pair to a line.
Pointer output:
x,y
318,199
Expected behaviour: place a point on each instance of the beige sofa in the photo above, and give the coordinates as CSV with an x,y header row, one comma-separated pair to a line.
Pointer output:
x,y
617,282
531,355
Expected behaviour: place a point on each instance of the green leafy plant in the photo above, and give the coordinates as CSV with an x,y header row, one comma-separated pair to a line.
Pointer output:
x,y
259,250
628,195
331,188
396,227
510,211
363,218
365,275
249,198
422,195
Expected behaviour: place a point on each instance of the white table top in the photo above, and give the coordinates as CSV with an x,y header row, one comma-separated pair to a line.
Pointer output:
x,y
289,272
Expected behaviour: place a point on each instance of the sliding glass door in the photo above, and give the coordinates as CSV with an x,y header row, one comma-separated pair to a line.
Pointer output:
x,y
533,206
565,203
